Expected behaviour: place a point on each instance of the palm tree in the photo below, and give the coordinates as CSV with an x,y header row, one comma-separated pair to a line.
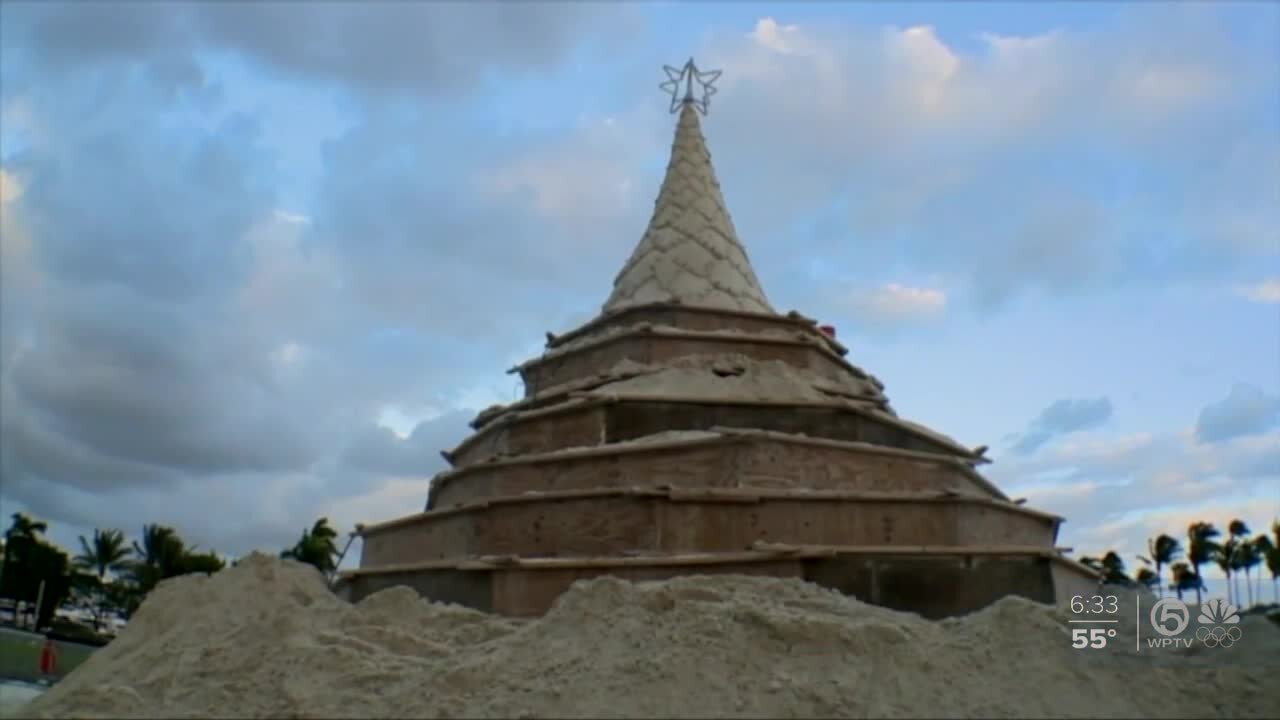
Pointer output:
x,y
24,526
1201,548
32,563
1251,556
1161,551
1224,556
107,552
1113,570
158,556
1184,579
22,546
1271,553
23,533
202,562
1239,532
316,547
1147,578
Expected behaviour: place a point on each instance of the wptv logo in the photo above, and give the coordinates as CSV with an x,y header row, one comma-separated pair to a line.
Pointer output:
x,y
1218,622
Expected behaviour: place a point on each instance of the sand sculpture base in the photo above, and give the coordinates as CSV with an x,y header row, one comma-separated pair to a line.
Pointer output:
x,y
690,429
712,442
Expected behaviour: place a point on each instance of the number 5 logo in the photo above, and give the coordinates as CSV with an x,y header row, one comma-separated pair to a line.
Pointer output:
x,y
1170,610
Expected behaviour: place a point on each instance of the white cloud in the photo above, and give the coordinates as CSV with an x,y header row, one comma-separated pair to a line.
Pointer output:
x,y
402,422
292,217
1266,291
930,68
395,497
584,179
17,121
285,277
934,149
1016,48
894,304
785,39
18,271
287,354
1117,491
1171,85
10,188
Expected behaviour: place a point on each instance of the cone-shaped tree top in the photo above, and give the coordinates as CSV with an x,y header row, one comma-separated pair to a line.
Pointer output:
x,y
690,252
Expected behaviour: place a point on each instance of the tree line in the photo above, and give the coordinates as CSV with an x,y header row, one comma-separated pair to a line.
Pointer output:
x,y
1236,554
113,575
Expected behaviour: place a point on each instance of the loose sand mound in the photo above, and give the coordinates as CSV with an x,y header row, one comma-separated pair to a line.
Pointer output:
x,y
266,639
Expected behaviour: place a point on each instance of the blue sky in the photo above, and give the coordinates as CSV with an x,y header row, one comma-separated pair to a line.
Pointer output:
x,y
261,262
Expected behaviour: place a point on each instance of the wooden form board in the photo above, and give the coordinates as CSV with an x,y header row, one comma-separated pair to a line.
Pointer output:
x,y
729,458
593,421
617,522
934,584
656,346
580,423
693,317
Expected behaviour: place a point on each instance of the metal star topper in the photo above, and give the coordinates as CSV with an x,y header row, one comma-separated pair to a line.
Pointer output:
x,y
686,76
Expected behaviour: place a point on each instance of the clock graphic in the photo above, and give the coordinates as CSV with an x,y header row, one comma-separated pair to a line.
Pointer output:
x,y
1094,621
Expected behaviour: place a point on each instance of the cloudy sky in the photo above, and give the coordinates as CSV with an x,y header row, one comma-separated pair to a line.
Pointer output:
x,y
261,262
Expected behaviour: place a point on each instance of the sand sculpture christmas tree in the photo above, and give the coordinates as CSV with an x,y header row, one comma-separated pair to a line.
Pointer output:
x,y
691,429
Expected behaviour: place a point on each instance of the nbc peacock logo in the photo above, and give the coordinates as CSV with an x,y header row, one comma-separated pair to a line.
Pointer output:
x,y
1219,624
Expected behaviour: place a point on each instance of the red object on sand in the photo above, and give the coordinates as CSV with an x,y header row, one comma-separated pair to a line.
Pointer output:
x,y
829,330
48,658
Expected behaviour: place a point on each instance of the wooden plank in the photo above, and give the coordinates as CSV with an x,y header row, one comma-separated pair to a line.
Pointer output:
x,y
1055,554
656,344
792,320
506,421
760,552
723,436
520,438
679,560
641,330
730,495
836,405
1038,550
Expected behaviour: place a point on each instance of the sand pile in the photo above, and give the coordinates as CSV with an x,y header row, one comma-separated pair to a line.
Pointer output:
x,y
266,639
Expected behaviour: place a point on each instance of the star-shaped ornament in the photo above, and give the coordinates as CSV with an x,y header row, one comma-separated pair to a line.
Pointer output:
x,y
686,76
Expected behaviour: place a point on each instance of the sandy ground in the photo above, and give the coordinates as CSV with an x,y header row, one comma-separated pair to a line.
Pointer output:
x,y
266,639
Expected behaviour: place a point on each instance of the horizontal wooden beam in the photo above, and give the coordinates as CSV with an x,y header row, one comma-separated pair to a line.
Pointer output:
x,y
759,552
735,495
791,319
561,563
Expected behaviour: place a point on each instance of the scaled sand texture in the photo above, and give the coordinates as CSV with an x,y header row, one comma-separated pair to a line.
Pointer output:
x,y
267,639
690,250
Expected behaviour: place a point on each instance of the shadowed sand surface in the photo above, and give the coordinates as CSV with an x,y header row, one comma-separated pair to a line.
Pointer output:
x,y
14,695
267,639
